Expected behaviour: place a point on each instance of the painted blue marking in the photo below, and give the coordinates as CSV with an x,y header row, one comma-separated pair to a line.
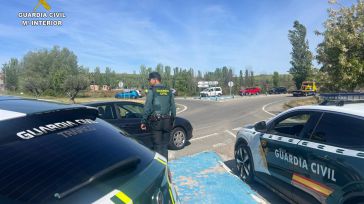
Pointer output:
x,y
200,179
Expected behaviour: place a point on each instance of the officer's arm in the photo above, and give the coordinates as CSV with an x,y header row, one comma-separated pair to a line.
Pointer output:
x,y
148,107
173,107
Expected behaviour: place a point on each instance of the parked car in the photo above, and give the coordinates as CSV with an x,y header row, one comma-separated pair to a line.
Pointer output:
x,y
308,154
250,91
278,90
56,153
212,91
127,116
129,94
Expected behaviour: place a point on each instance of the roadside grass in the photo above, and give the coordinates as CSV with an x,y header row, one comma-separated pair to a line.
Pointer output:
x,y
313,100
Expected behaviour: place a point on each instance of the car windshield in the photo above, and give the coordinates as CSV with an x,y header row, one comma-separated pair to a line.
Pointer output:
x,y
34,169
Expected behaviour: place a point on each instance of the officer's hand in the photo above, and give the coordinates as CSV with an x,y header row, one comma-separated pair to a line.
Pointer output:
x,y
143,127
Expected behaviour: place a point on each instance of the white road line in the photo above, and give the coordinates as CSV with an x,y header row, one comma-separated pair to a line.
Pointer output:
x,y
203,137
226,168
263,108
218,145
184,108
258,199
232,134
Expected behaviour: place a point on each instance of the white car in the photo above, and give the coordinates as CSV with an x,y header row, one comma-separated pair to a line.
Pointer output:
x,y
308,154
212,91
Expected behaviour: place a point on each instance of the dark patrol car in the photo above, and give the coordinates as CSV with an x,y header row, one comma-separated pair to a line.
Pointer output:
x,y
127,115
308,154
56,153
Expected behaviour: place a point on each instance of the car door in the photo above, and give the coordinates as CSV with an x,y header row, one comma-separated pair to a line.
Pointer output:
x,y
279,144
130,115
334,153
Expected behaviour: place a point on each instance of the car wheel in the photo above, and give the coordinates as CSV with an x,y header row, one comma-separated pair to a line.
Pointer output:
x,y
178,138
244,163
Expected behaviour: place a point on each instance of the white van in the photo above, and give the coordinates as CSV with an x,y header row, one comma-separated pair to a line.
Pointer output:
x,y
212,91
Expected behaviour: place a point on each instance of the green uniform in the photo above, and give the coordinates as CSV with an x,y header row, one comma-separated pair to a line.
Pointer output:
x,y
159,114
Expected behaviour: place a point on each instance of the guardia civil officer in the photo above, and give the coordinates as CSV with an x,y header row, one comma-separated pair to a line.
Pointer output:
x,y
159,113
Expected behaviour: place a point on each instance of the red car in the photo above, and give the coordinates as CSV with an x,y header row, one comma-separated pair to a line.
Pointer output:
x,y
250,91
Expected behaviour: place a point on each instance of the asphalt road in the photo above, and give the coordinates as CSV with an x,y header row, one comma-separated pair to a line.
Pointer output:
x,y
216,124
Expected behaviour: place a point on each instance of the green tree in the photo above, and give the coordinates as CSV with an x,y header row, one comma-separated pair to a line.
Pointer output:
x,y
241,79
98,79
52,66
246,80
275,79
301,56
35,85
342,51
74,84
12,71
252,80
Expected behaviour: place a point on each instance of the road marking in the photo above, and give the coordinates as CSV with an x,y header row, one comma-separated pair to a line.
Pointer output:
x,y
232,134
237,129
259,200
226,168
184,109
263,108
205,127
218,145
203,137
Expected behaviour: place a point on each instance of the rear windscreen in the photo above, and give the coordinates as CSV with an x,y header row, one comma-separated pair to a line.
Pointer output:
x,y
44,155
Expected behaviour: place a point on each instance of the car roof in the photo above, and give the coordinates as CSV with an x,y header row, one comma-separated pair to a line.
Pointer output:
x,y
352,109
107,102
14,107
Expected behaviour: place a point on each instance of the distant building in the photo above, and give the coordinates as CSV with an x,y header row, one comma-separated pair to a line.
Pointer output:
x,y
98,88
2,83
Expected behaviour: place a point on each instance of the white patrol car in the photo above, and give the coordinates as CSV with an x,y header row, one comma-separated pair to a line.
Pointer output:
x,y
308,154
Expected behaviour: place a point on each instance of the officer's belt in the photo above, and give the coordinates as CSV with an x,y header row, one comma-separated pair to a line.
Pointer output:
x,y
158,117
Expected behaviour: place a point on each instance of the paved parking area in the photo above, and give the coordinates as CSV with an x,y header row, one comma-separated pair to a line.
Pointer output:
x,y
204,178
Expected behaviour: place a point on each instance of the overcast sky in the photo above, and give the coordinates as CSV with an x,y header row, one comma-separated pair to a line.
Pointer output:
x,y
201,34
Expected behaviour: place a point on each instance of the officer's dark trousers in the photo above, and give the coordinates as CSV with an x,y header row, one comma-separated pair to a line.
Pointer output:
x,y
161,134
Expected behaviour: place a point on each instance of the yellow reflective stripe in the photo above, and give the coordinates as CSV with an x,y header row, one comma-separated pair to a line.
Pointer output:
x,y
171,194
161,161
123,197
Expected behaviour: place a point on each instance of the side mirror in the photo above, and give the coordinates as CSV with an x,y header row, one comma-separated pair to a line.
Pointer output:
x,y
260,126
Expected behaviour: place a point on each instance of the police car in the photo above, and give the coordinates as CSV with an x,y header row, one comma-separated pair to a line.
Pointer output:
x,y
56,153
308,154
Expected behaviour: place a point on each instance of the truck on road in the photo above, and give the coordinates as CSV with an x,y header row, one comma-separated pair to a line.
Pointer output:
x,y
308,88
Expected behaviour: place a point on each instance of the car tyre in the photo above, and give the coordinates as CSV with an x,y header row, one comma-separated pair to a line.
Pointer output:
x,y
244,163
178,139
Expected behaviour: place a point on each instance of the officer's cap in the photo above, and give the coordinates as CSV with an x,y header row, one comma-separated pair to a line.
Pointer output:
x,y
154,75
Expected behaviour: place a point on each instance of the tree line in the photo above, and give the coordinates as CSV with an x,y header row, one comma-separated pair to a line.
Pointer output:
x,y
56,72
340,54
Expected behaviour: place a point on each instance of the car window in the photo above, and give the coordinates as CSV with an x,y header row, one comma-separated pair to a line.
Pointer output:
x,y
106,112
290,126
130,111
340,130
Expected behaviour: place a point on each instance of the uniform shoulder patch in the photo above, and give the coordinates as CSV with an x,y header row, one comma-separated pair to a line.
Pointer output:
x,y
162,92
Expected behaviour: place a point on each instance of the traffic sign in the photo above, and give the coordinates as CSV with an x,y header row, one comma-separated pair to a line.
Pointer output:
x,y
231,84
213,83
121,84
